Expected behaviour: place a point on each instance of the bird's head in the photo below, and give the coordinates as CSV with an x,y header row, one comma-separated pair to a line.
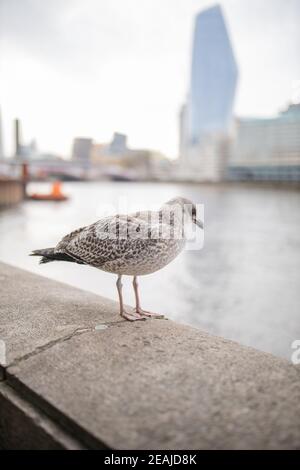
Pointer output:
x,y
185,207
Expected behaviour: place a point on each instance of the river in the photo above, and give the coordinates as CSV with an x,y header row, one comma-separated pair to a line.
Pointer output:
x,y
243,285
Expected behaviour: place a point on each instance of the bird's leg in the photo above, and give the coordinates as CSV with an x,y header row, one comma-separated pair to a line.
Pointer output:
x,y
138,308
123,313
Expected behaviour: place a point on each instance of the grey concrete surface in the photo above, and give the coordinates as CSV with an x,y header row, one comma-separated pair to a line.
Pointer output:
x,y
35,312
23,427
152,384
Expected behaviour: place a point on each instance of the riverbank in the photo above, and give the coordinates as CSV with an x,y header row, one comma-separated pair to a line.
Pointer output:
x,y
76,376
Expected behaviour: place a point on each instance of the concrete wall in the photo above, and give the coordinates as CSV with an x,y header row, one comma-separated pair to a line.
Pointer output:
x,y
77,376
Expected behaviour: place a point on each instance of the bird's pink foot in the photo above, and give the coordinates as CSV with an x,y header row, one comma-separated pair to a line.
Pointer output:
x,y
145,313
131,316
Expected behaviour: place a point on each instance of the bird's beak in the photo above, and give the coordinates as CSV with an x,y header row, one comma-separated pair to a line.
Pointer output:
x,y
199,223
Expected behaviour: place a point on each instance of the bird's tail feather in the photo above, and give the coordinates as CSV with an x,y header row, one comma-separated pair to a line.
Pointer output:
x,y
48,255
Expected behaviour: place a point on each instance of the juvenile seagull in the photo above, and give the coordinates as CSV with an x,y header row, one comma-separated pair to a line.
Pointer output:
x,y
133,245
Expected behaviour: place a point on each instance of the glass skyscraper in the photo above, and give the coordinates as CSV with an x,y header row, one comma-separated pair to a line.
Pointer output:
x,y
213,77
206,117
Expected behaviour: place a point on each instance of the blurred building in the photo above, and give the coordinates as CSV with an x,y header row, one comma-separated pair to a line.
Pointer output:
x,y
118,144
82,148
213,77
115,159
17,133
183,135
23,151
267,149
206,117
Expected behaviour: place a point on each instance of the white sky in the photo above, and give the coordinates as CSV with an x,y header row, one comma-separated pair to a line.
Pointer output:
x,y
91,67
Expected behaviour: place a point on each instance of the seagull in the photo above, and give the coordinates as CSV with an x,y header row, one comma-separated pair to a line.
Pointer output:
x,y
132,244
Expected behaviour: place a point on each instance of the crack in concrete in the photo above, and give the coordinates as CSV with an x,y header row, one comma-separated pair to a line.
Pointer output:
x,y
49,345
44,347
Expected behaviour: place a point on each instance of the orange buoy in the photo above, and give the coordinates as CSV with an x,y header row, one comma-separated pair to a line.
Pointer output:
x,y
56,189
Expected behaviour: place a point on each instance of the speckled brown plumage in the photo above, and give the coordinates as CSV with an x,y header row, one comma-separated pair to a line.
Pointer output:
x,y
134,245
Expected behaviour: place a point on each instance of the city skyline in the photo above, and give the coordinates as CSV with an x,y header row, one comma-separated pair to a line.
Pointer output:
x,y
97,68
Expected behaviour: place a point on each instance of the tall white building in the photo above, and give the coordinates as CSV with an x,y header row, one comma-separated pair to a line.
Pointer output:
x,y
267,148
206,118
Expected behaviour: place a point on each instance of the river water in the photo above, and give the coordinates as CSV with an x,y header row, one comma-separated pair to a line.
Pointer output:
x,y
243,285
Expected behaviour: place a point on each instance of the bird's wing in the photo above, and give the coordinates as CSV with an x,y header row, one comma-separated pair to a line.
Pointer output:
x,y
109,239
67,239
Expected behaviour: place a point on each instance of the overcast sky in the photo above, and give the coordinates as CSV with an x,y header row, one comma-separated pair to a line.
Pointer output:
x,y
91,67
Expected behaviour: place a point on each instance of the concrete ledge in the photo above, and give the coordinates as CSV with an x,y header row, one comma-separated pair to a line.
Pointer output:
x,y
152,384
22,426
